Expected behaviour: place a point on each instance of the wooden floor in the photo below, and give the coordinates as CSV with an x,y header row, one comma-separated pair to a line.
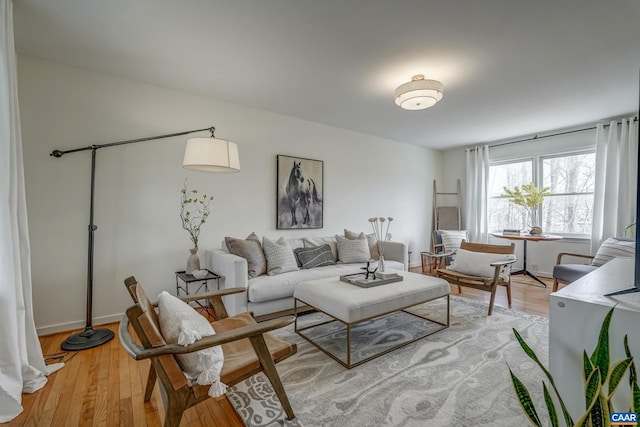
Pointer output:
x,y
103,386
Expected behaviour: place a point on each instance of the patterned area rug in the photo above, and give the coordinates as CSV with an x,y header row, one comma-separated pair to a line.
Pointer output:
x,y
455,377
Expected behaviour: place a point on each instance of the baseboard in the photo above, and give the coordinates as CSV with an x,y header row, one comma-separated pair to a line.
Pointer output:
x,y
73,326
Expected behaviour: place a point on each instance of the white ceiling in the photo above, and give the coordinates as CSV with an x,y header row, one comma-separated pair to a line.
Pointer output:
x,y
509,67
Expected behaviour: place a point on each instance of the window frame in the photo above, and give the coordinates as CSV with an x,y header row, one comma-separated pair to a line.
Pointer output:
x,y
537,172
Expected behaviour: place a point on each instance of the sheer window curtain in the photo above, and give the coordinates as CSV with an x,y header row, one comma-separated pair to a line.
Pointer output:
x,y
22,367
614,206
477,193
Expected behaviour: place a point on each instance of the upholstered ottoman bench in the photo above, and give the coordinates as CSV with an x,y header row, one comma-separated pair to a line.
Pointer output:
x,y
348,307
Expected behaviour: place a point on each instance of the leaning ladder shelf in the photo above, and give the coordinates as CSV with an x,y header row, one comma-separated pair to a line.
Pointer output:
x,y
446,217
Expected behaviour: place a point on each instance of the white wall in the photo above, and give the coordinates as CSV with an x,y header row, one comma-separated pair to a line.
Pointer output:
x,y
541,256
137,199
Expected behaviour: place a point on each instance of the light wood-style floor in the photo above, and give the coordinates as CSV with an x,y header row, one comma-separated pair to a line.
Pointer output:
x,y
103,386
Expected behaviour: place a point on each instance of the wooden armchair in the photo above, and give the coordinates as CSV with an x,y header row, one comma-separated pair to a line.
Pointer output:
x,y
247,346
484,282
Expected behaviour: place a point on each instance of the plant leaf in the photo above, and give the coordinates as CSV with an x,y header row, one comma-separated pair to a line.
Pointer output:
x,y
551,407
633,375
597,411
525,400
595,380
600,356
591,387
617,372
587,365
635,398
565,413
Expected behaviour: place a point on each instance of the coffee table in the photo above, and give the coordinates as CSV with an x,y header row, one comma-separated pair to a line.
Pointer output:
x,y
350,308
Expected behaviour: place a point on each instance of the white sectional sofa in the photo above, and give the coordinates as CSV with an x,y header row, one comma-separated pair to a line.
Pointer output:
x,y
267,295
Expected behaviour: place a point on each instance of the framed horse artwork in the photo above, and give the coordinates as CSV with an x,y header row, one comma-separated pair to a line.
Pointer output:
x,y
299,193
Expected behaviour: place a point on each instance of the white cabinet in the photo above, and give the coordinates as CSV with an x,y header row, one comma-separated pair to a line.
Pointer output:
x,y
575,316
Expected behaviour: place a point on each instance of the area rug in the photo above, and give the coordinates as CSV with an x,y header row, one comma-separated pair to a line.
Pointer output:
x,y
455,377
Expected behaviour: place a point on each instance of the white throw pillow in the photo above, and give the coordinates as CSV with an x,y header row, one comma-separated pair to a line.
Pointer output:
x,y
312,242
614,248
478,263
280,257
451,239
351,251
371,240
181,324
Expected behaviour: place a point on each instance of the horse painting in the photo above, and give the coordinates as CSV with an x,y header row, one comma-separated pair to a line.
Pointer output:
x,y
299,200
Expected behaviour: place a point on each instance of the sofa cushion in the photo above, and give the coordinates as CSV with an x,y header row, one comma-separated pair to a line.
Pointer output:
x,y
280,257
350,251
614,248
310,242
251,250
181,324
267,288
318,256
571,272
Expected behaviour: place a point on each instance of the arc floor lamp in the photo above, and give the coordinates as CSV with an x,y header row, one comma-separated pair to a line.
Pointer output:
x,y
201,154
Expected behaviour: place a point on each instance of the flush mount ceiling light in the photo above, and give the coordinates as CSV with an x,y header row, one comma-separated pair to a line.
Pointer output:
x,y
418,94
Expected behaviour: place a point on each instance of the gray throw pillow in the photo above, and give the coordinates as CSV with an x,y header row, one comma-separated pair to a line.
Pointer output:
x,y
311,242
318,256
280,257
350,251
251,250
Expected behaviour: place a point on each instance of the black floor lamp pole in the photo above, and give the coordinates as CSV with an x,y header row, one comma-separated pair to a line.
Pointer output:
x,y
91,337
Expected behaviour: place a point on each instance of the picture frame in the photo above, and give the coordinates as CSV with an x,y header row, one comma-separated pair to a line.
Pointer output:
x,y
299,193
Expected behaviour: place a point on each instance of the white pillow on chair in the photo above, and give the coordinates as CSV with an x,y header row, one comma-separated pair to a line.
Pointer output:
x,y
451,239
614,248
478,263
181,324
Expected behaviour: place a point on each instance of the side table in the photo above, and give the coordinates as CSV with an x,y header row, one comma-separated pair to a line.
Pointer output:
x,y
430,261
183,280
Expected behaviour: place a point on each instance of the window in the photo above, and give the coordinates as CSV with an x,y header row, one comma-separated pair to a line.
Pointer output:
x,y
571,179
567,210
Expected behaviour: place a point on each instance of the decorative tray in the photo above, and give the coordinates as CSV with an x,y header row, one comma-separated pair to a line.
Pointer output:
x,y
358,279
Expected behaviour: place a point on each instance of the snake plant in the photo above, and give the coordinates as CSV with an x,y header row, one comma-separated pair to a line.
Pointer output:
x,y
601,379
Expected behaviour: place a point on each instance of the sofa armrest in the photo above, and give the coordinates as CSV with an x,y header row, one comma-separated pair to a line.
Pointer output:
x,y
233,272
397,251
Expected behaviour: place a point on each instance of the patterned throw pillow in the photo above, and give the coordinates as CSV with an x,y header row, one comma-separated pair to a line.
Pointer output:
x,y
251,250
451,239
614,248
351,251
181,324
317,256
280,257
311,242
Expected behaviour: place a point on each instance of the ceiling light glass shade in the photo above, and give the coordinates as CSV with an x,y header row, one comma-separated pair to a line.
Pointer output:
x,y
211,155
418,94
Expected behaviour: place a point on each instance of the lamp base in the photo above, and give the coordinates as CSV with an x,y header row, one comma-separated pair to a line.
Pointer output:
x,y
88,338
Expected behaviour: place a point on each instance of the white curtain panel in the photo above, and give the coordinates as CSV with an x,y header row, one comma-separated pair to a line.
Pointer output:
x,y
477,189
614,206
22,367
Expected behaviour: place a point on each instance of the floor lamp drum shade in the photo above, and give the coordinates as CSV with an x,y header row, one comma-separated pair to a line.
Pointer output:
x,y
211,155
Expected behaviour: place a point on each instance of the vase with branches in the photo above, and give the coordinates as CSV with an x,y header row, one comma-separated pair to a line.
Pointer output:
x,y
529,197
194,211
377,224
